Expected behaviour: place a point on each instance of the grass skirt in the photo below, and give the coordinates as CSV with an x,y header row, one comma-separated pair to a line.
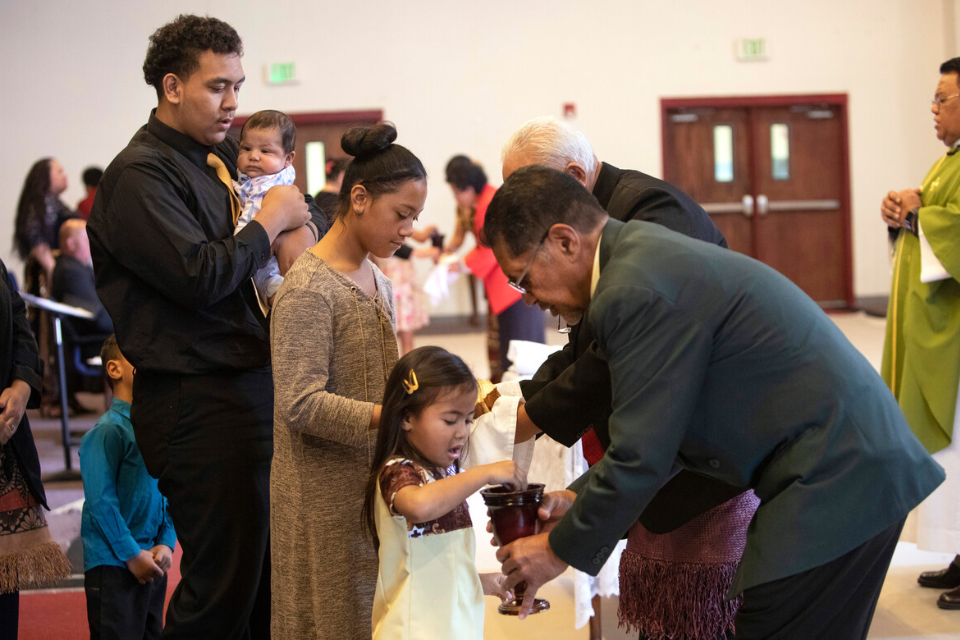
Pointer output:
x,y
28,555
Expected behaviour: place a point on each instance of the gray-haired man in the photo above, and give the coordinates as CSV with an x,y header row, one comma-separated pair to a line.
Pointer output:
x,y
571,390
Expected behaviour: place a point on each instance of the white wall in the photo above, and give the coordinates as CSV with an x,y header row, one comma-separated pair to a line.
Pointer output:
x,y
458,77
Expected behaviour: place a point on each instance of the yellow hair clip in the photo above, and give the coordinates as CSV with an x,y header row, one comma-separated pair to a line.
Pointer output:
x,y
410,384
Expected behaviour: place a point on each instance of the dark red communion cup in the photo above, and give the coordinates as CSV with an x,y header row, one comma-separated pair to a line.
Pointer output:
x,y
513,514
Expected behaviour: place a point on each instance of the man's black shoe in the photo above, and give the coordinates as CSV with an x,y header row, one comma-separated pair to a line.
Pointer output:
x,y
950,599
948,578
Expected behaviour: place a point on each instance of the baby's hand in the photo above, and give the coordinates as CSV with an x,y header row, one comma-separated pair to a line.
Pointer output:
x,y
492,586
508,473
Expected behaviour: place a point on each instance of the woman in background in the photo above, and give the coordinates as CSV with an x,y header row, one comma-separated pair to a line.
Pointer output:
x,y
508,318
39,216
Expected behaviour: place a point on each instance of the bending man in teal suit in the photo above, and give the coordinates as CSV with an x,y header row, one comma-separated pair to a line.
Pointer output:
x,y
721,366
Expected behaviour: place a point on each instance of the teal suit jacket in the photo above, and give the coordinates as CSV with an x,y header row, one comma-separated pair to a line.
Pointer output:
x,y
722,366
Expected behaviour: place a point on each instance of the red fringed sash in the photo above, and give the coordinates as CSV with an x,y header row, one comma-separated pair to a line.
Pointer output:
x,y
674,586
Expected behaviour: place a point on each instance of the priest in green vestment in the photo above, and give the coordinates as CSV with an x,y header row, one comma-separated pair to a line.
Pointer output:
x,y
921,357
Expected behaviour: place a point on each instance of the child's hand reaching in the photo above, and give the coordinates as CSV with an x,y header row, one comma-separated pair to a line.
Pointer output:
x,y
492,586
143,567
507,472
163,556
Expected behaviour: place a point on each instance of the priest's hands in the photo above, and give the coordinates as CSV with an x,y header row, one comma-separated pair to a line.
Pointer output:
x,y
552,508
896,204
529,560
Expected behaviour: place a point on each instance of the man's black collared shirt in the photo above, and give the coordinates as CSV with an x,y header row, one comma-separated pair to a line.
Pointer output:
x,y
170,271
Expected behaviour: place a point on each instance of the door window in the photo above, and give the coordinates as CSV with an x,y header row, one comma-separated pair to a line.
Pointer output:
x,y
723,153
316,162
780,151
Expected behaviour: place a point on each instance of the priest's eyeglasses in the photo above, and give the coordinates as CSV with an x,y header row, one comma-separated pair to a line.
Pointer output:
x,y
938,101
517,284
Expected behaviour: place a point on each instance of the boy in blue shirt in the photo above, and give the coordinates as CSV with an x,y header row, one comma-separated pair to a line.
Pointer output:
x,y
127,534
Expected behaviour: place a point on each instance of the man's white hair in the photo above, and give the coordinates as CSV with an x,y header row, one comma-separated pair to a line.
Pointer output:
x,y
551,143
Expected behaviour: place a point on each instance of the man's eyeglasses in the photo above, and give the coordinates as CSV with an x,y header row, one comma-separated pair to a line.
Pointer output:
x,y
938,101
517,284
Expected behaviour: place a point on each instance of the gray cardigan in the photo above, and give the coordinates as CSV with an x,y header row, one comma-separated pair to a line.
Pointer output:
x,y
333,347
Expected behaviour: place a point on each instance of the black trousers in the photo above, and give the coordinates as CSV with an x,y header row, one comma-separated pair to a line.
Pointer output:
x,y
209,441
120,608
835,600
9,615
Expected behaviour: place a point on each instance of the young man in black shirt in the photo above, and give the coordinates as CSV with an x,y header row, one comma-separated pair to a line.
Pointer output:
x,y
177,283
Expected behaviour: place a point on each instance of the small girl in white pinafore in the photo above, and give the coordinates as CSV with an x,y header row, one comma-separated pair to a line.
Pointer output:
x,y
415,506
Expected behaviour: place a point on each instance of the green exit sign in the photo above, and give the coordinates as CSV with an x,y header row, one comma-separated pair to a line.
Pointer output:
x,y
751,49
281,73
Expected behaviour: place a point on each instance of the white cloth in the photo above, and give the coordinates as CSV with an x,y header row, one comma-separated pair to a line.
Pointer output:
x,y
527,356
437,284
267,280
491,440
931,268
938,517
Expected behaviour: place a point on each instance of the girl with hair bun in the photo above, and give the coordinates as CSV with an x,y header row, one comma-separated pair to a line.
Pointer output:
x,y
333,347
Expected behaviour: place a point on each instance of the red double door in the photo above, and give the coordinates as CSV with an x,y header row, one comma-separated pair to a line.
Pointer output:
x,y
773,175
